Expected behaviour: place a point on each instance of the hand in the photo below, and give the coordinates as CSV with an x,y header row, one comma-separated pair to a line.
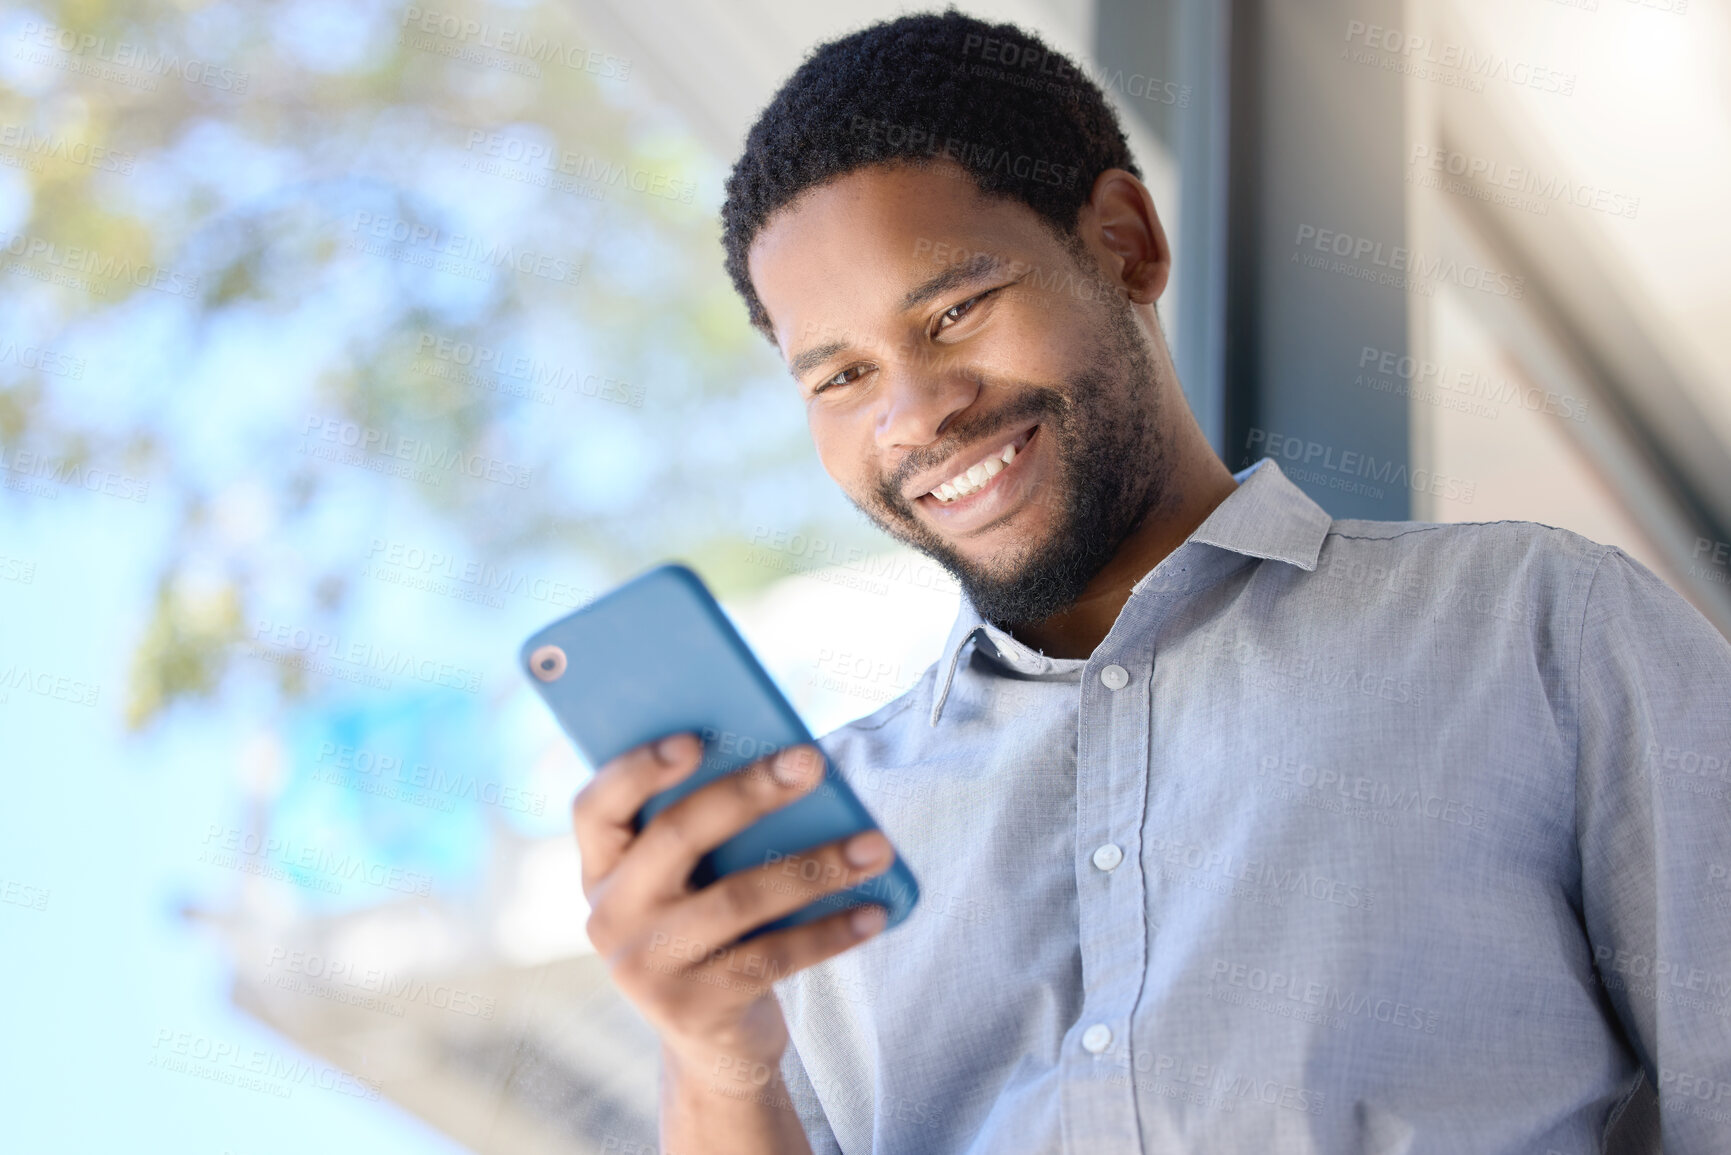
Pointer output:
x,y
667,944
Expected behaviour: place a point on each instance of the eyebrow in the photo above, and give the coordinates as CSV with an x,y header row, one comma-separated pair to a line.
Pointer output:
x,y
813,357
977,268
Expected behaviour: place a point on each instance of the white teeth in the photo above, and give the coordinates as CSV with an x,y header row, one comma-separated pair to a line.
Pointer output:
x,y
976,476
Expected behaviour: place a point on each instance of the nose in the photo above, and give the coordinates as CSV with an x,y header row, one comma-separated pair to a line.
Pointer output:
x,y
918,401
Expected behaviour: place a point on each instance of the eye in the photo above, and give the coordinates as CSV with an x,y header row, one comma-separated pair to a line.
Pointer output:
x,y
956,312
841,378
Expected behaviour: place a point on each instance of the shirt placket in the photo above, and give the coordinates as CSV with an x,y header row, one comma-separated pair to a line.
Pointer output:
x,y
1113,727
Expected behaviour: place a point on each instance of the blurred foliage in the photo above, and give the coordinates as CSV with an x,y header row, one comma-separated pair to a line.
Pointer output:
x,y
250,149
185,650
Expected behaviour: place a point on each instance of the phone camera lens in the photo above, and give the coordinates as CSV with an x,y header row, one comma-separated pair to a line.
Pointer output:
x,y
547,663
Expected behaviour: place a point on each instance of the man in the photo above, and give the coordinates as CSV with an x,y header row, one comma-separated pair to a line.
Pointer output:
x,y
1238,828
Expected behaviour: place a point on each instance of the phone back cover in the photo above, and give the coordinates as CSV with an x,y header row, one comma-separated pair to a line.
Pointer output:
x,y
658,656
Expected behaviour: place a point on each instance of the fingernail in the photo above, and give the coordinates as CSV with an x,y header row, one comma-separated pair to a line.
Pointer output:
x,y
868,920
666,747
866,848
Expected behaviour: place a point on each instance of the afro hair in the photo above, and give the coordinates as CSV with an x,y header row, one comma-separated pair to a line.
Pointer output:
x,y
1022,120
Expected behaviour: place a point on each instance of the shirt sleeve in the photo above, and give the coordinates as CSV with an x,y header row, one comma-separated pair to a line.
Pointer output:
x,y
1653,812
804,1098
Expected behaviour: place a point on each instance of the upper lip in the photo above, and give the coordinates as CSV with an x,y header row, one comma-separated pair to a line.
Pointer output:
x,y
962,459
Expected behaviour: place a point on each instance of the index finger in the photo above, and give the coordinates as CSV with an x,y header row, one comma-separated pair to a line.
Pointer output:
x,y
603,813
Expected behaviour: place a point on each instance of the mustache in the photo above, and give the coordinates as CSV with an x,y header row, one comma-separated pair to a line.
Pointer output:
x,y
1035,401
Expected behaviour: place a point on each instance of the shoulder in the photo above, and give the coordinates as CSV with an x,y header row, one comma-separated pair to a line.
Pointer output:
x,y
889,724
1510,542
1495,578
1555,565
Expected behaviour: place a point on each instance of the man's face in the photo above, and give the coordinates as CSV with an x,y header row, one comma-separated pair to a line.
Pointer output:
x,y
931,329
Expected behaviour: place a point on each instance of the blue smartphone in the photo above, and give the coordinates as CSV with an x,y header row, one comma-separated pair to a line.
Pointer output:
x,y
658,656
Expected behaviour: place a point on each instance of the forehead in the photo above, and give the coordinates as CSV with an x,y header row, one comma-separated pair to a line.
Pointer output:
x,y
841,256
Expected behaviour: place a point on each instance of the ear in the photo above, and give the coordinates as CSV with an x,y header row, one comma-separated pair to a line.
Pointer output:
x,y
1120,218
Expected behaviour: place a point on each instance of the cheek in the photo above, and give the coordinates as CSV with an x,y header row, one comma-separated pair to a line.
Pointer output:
x,y
843,445
1044,337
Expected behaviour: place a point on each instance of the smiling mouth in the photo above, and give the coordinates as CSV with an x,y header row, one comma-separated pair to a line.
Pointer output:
x,y
980,474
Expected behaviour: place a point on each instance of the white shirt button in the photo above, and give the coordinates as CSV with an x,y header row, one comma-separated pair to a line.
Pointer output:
x,y
1108,856
1096,1038
1115,677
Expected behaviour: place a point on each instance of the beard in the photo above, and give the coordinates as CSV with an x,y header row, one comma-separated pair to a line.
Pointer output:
x,y
1112,470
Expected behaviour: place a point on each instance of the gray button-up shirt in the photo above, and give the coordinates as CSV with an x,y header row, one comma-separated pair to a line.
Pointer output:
x,y
1351,836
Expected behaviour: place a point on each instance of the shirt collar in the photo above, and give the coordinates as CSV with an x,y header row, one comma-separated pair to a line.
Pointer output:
x,y
1267,517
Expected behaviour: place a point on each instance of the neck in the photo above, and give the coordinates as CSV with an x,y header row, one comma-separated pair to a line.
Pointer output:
x,y
1201,484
